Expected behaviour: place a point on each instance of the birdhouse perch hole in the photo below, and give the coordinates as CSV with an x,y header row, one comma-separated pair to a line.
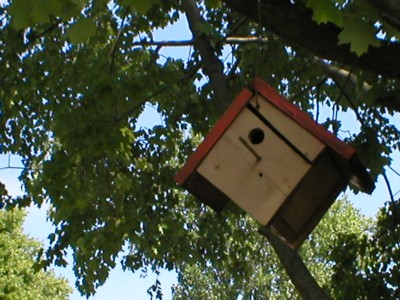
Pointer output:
x,y
256,136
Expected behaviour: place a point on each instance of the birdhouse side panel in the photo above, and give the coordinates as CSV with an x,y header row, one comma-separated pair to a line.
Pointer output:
x,y
213,136
257,174
309,202
236,177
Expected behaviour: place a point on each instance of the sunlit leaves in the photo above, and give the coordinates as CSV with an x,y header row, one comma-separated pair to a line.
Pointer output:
x,y
249,269
19,279
367,263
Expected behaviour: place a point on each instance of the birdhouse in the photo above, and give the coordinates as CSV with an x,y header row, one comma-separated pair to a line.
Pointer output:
x,y
275,162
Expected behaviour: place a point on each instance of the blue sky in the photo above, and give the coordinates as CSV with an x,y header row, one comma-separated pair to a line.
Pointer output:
x,y
125,285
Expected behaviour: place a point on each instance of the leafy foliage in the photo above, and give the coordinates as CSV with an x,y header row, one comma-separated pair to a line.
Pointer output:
x,y
249,268
19,280
358,20
368,264
78,76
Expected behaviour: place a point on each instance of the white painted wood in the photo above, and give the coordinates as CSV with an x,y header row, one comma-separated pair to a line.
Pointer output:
x,y
308,144
258,187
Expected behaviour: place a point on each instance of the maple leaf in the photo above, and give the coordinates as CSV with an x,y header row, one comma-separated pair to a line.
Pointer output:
x,y
325,11
359,35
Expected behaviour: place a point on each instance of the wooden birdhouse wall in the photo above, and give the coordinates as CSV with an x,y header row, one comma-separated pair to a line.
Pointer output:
x,y
270,169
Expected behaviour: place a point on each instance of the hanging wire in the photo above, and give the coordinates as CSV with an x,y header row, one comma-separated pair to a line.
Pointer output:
x,y
317,100
388,186
394,171
398,174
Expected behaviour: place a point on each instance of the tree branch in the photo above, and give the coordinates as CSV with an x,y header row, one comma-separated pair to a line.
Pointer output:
x,y
161,90
114,46
301,277
188,43
389,100
212,66
389,11
341,76
44,32
293,23
12,168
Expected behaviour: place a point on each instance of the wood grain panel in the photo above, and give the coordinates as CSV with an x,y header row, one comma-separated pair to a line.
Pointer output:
x,y
258,186
307,143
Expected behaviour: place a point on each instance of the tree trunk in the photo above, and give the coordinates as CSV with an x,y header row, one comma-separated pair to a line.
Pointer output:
x,y
297,271
212,66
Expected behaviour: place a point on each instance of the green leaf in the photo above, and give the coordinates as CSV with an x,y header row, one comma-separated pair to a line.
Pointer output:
x,y
81,31
43,9
325,11
142,7
21,278
26,13
71,10
99,4
359,35
213,3
20,10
